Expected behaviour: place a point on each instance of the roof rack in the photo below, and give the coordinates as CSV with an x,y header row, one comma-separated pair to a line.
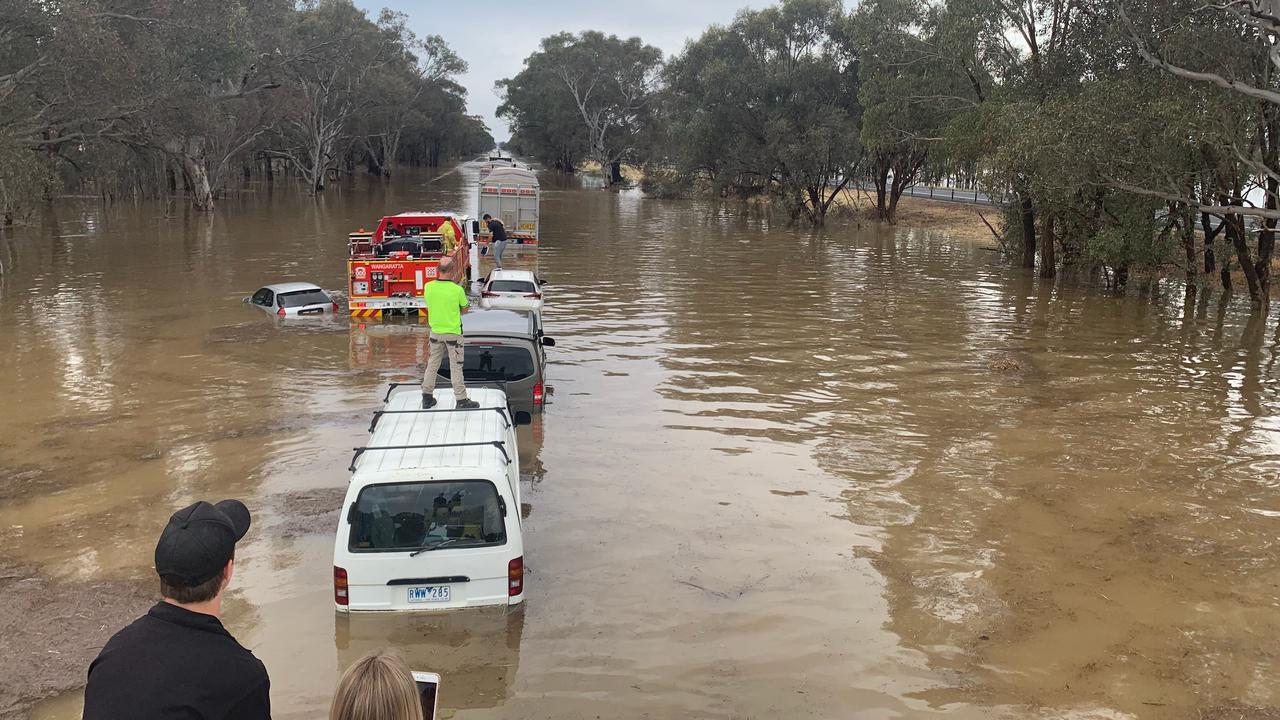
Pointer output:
x,y
362,450
377,414
500,384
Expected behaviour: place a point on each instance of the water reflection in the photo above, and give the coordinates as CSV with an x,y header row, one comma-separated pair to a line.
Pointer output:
x,y
477,653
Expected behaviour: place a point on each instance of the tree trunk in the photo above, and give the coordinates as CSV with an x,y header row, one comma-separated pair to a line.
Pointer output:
x,y
1266,247
197,178
1189,251
615,173
881,179
1236,233
1206,226
1048,263
1028,231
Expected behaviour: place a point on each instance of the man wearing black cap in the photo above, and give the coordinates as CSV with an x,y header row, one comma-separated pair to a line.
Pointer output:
x,y
177,661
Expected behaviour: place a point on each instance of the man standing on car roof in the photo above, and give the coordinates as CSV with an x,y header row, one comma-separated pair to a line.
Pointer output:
x,y
178,661
445,301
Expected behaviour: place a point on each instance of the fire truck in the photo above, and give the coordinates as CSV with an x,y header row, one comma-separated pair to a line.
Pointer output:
x,y
388,267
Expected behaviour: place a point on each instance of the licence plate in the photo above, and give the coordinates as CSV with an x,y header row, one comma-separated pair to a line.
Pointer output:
x,y
429,593
311,311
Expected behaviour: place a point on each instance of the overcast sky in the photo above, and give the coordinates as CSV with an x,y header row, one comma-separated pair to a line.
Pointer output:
x,y
495,37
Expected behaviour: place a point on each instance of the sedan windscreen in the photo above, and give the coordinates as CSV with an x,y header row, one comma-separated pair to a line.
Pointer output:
x,y
507,363
303,297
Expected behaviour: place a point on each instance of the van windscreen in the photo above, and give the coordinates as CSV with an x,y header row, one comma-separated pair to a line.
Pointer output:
x,y
398,517
480,363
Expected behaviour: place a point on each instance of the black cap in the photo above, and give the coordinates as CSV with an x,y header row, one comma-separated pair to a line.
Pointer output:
x,y
200,539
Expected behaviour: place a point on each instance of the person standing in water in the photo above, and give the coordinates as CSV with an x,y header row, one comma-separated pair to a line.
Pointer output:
x,y
445,301
497,237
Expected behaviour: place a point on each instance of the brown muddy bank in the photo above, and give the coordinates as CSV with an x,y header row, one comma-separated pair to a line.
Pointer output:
x,y
50,630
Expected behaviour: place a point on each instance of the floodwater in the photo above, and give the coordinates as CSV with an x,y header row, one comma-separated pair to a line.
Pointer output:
x,y
863,473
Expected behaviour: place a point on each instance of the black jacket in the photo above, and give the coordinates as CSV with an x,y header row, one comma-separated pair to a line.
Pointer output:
x,y
174,663
497,231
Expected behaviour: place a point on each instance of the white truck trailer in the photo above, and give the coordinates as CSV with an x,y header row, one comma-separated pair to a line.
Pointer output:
x,y
512,195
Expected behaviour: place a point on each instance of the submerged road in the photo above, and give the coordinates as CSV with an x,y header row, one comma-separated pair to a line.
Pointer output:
x,y
850,474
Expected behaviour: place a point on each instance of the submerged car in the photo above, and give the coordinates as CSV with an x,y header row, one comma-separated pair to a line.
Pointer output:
x,y
505,348
431,517
290,299
512,290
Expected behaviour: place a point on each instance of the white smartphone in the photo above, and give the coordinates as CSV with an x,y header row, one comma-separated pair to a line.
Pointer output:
x,y
428,689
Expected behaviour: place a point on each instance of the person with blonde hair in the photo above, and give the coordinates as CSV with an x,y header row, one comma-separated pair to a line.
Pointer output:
x,y
378,686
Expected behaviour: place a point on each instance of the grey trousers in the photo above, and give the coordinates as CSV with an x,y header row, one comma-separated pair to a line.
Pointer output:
x,y
498,247
438,345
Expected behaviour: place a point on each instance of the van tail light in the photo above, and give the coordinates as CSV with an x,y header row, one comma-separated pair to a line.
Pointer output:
x,y
537,393
340,595
486,293
335,306
280,312
534,296
515,577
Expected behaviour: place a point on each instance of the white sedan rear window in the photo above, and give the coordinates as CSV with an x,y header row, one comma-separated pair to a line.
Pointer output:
x,y
517,286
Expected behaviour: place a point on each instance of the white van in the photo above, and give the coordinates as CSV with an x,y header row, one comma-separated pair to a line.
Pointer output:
x,y
431,519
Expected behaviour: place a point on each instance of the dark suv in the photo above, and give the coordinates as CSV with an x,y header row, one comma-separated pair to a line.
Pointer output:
x,y
506,348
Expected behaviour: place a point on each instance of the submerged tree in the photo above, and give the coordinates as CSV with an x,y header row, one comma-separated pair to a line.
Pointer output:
x,y
154,96
607,81
770,102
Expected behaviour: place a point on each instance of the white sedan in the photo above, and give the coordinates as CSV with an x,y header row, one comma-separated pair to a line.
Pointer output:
x,y
512,290
292,299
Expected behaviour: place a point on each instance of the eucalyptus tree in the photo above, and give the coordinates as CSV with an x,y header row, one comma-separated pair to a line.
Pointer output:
x,y
771,101
608,81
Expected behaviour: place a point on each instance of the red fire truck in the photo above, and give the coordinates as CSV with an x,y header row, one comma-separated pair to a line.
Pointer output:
x,y
387,268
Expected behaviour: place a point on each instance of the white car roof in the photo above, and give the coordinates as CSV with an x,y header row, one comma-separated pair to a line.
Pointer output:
x,y
291,287
437,428
524,275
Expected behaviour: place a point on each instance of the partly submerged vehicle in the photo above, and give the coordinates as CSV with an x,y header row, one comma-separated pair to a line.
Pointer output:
x,y
513,195
431,518
512,290
292,299
388,267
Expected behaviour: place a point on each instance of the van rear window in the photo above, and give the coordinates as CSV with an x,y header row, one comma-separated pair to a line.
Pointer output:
x,y
507,363
303,297
410,516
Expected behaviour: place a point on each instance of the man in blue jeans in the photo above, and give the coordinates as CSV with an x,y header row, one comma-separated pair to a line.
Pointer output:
x,y
445,301
497,237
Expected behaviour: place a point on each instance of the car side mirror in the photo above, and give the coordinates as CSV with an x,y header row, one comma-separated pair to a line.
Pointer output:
x,y
475,227
523,418
548,341
245,299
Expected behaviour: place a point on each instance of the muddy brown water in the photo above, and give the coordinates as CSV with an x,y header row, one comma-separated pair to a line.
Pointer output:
x,y
861,473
